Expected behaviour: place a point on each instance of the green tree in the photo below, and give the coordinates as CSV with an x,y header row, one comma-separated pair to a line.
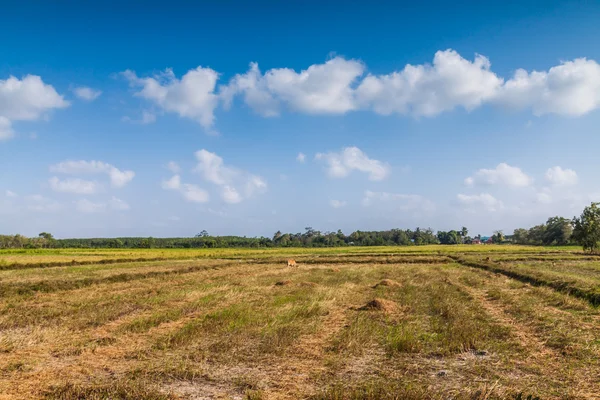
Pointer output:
x,y
463,233
558,231
452,237
46,235
498,237
587,228
520,236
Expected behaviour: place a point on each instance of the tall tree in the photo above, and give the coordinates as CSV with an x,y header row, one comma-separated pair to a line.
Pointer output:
x,y
587,228
498,237
520,236
558,231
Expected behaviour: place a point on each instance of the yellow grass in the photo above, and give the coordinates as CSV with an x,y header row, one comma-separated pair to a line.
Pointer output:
x,y
241,324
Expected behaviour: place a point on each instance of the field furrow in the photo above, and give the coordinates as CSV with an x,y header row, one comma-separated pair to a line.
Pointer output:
x,y
387,324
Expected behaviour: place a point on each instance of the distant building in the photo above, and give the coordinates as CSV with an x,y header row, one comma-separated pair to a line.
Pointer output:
x,y
476,241
486,240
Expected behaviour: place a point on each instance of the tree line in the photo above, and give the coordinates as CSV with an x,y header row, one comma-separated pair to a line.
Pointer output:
x,y
308,238
557,231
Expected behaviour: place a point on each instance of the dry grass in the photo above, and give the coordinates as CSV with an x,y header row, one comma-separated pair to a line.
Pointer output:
x,y
391,324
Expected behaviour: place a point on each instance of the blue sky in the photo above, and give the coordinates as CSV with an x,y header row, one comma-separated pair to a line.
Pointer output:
x,y
154,119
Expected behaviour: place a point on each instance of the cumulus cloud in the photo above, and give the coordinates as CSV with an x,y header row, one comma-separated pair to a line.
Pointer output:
x,y
427,90
485,200
117,177
337,203
231,195
87,93
10,193
320,89
76,186
561,177
194,193
26,99
190,192
172,184
193,96
301,157
402,202
339,165
341,85
503,174
571,88
236,185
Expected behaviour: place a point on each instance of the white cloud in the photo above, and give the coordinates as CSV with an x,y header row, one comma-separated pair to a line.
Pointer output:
x,y
339,86
117,177
77,186
301,157
39,203
173,167
86,206
25,99
28,98
561,177
118,204
86,93
402,202
485,200
190,192
231,195
212,168
427,90
337,203
255,184
320,89
10,193
503,174
352,158
6,131
236,185
194,194
571,88
193,96
172,184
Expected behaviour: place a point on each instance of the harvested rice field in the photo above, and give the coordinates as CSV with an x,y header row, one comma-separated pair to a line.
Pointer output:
x,y
430,322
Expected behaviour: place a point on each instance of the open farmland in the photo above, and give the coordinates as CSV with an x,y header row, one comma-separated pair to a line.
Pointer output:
x,y
472,322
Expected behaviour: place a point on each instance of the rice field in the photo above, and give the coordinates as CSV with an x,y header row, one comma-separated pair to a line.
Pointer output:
x,y
430,322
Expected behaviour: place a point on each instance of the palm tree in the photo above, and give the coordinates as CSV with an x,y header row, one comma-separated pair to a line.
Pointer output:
x,y
464,232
